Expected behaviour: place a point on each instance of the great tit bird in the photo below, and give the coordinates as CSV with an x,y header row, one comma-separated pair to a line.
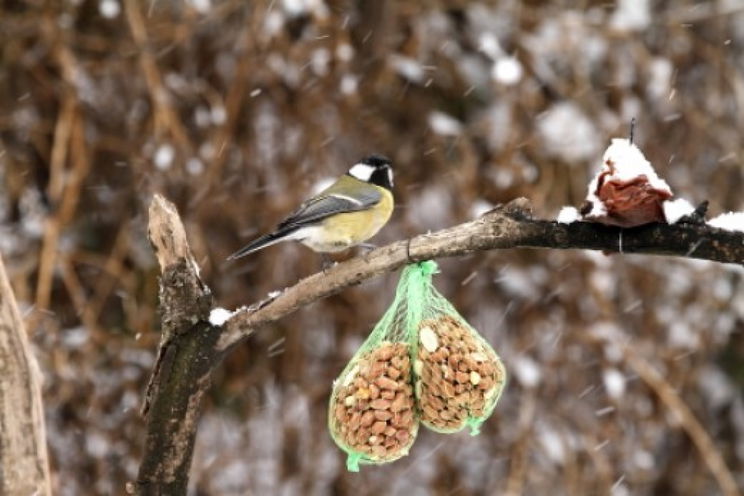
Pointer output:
x,y
345,214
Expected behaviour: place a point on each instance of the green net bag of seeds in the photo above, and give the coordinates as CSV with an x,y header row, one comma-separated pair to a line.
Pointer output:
x,y
372,414
458,377
421,361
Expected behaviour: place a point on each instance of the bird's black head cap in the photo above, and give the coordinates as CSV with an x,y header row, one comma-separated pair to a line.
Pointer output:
x,y
375,169
376,160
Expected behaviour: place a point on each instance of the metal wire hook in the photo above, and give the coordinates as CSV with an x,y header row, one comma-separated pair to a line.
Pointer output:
x,y
408,251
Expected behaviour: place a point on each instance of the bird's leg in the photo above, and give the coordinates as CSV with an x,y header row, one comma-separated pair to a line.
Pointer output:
x,y
366,247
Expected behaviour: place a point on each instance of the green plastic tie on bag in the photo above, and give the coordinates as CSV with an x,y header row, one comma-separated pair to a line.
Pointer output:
x,y
474,425
352,462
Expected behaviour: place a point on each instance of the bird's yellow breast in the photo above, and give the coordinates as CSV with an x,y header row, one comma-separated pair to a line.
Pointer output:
x,y
342,231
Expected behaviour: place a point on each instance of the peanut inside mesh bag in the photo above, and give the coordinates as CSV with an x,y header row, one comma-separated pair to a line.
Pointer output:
x,y
458,376
372,413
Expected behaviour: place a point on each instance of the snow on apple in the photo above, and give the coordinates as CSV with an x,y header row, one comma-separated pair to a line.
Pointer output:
x,y
626,192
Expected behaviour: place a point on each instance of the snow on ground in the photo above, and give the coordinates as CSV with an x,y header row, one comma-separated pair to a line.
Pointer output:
x,y
408,68
201,6
322,184
480,207
661,74
489,45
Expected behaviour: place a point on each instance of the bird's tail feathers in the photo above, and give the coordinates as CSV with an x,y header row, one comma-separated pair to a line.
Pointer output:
x,y
261,242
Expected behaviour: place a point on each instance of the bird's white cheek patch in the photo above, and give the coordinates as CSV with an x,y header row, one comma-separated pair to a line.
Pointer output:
x,y
363,172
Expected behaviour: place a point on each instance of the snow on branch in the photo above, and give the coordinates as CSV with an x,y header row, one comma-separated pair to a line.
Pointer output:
x,y
509,226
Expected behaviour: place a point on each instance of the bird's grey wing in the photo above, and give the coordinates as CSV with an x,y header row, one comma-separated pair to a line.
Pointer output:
x,y
322,207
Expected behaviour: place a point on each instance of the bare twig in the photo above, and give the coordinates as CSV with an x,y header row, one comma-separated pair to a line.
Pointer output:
x,y
519,459
233,104
113,268
64,185
165,117
686,418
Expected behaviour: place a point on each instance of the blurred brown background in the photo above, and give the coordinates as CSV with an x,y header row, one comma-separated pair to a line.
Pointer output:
x,y
236,110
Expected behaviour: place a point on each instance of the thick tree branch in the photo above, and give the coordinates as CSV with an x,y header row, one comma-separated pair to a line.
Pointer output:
x,y
510,226
24,465
186,357
180,286
191,347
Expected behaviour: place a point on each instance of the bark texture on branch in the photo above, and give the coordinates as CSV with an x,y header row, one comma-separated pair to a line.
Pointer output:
x,y
510,226
24,464
186,357
191,348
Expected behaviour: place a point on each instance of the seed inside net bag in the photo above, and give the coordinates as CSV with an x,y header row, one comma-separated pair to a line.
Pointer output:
x,y
372,414
458,377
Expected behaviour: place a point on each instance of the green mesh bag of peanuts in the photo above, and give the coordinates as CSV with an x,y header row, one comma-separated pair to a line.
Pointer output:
x,y
421,363
372,414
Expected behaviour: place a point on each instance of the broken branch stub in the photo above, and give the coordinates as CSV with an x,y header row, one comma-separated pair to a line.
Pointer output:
x,y
186,357
180,283
184,298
